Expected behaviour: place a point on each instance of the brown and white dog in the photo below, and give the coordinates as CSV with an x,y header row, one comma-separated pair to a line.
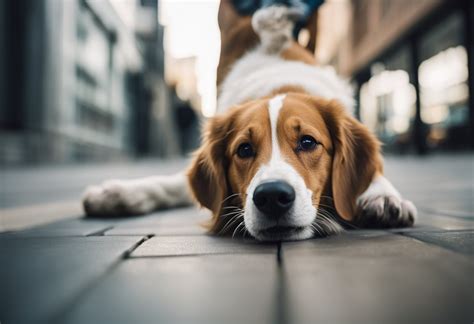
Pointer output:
x,y
284,159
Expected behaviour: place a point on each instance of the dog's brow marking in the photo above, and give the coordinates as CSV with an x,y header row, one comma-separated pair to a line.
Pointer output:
x,y
274,107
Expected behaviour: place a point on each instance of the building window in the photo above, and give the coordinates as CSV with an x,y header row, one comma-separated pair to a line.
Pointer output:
x,y
444,95
92,91
443,79
387,103
388,100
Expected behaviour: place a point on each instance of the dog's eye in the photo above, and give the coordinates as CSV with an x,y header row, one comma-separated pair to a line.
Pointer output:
x,y
245,150
306,143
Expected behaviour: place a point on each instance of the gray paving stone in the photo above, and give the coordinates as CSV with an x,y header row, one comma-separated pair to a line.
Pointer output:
x,y
360,233
377,279
196,245
237,288
181,221
23,186
163,230
448,204
176,216
39,276
442,183
454,203
416,228
70,227
434,220
459,241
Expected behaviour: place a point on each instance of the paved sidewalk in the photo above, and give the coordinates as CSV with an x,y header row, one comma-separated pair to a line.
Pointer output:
x,y
162,268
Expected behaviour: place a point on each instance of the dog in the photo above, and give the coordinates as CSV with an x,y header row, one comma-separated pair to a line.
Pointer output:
x,y
284,159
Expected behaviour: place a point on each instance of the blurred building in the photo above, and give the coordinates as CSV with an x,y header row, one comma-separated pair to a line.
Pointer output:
x,y
186,101
79,83
410,63
181,74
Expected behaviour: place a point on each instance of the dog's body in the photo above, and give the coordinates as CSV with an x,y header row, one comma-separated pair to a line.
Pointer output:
x,y
284,159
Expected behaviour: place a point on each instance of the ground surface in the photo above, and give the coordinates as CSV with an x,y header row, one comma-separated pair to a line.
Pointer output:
x,y
162,268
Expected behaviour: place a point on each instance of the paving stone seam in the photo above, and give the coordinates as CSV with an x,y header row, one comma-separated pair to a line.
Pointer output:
x,y
194,254
62,313
127,253
100,232
150,234
283,304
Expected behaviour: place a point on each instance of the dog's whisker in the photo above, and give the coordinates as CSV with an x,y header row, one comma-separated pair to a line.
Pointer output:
x,y
327,197
234,211
228,225
320,222
326,220
316,228
341,220
244,231
230,196
231,223
232,207
326,206
231,213
231,218
237,230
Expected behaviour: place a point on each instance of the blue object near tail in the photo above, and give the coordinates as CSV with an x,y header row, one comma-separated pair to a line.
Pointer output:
x,y
307,7
248,7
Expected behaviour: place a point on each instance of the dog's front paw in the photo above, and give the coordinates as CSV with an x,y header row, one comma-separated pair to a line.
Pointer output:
x,y
385,212
115,198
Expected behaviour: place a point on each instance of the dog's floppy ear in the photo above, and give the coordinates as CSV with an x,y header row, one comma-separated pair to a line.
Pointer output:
x,y
356,158
207,174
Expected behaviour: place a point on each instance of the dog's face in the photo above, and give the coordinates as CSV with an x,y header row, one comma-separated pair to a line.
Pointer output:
x,y
284,163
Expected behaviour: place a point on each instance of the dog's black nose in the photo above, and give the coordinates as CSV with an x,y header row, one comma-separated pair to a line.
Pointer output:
x,y
274,198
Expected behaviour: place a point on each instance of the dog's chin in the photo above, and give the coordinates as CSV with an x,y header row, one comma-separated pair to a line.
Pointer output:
x,y
283,233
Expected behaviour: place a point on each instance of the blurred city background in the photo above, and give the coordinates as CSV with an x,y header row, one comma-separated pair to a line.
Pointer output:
x,y
97,89
98,80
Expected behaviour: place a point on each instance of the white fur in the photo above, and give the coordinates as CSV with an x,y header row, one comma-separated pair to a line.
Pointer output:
x,y
274,28
380,186
258,74
138,196
382,194
303,213
274,107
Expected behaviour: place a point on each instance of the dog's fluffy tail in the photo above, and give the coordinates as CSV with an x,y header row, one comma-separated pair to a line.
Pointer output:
x,y
274,25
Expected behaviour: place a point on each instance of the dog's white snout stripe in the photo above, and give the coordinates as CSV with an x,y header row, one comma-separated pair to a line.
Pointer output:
x,y
274,107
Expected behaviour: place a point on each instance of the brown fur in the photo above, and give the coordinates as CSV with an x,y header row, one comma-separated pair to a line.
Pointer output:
x,y
295,52
237,37
312,27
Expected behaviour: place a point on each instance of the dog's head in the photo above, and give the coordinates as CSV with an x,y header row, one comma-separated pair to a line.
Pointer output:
x,y
278,166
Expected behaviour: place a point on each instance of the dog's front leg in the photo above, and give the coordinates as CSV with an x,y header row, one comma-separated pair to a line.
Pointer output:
x,y
138,196
382,206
